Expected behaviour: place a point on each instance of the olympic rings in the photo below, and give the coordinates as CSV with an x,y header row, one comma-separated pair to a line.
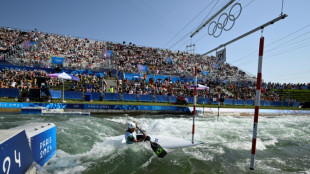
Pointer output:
x,y
221,24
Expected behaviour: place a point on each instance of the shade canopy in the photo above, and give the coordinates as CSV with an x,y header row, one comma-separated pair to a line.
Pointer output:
x,y
64,76
199,87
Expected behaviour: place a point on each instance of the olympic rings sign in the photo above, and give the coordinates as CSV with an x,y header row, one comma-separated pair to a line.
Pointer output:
x,y
222,24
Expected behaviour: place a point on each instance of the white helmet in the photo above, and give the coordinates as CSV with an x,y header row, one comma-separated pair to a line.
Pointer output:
x,y
131,125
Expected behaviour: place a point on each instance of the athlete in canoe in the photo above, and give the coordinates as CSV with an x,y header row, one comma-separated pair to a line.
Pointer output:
x,y
131,136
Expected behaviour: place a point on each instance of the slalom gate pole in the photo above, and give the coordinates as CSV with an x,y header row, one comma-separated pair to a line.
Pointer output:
x,y
257,100
195,101
63,91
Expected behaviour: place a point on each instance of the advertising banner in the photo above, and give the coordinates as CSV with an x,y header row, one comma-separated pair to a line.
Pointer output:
x,y
142,68
43,146
58,60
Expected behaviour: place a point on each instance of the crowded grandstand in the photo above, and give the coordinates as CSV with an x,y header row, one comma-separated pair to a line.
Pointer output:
x,y
27,57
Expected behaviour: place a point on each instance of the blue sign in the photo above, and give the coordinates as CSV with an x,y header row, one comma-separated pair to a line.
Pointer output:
x,y
142,67
13,105
58,60
75,106
43,146
15,154
98,106
206,73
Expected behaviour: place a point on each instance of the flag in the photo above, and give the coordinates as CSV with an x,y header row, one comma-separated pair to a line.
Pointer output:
x,y
220,57
108,54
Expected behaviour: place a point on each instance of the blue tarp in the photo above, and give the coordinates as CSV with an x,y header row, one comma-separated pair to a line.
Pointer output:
x,y
238,102
148,98
9,92
95,95
112,96
129,97
249,102
76,95
161,98
173,99
229,101
55,94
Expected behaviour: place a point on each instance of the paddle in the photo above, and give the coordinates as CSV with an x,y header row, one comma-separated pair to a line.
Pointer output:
x,y
159,151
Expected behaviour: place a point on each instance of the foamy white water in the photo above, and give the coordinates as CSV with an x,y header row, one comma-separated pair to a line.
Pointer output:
x,y
283,144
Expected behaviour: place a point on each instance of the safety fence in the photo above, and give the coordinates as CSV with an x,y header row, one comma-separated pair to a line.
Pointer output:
x,y
89,96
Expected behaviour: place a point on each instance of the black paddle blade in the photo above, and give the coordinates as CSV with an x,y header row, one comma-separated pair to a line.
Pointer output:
x,y
159,151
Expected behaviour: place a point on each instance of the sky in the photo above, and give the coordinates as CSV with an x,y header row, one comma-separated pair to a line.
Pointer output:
x,y
168,24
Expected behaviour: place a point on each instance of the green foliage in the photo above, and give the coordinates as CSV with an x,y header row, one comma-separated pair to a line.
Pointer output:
x,y
298,95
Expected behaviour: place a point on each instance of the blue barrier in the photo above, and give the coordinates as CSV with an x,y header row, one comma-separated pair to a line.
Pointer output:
x,y
276,103
296,104
267,103
249,102
238,102
75,95
112,96
190,99
147,98
55,94
229,101
9,92
207,100
200,100
173,99
88,97
161,98
129,97
286,104
95,95
261,103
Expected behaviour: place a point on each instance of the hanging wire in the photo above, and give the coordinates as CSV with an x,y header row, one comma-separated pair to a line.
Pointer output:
x,y
281,39
188,23
214,8
282,7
